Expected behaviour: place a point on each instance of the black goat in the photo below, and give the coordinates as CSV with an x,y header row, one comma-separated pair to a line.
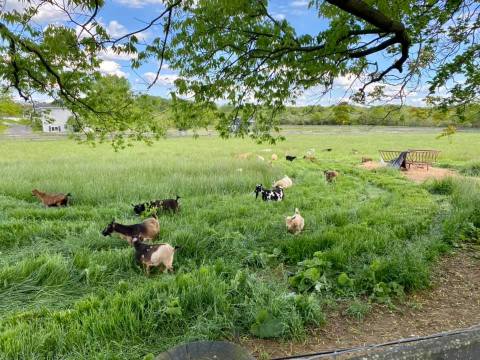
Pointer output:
x,y
276,194
166,204
290,157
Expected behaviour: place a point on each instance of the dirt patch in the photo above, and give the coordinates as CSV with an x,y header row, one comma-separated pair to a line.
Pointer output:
x,y
452,303
419,174
372,165
416,173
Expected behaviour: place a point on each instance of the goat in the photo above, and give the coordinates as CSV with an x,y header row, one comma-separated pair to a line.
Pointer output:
x,y
276,194
244,156
274,157
146,230
310,157
283,183
166,204
295,223
330,175
154,255
51,200
290,157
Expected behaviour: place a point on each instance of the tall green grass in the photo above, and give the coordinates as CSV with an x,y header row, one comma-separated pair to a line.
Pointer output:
x,y
68,292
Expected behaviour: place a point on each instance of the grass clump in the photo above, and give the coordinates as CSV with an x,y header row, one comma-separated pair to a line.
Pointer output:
x,y
444,186
358,309
463,224
471,169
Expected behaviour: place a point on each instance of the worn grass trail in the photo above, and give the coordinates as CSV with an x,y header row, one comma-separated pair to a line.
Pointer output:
x,y
68,292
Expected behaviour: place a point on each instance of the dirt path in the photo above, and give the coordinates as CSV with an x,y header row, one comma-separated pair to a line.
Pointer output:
x,y
417,174
18,130
452,303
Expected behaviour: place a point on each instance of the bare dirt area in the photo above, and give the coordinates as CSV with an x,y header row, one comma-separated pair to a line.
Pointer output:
x,y
416,173
452,303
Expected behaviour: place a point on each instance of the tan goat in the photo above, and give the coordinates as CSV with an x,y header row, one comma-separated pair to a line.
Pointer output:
x,y
295,223
154,255
284,183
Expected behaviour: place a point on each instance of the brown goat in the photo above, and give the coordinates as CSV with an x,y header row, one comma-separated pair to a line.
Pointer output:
x,y
51,200
146,230
330,175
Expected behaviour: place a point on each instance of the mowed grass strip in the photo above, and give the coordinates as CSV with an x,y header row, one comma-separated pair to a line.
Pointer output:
x,y
68,292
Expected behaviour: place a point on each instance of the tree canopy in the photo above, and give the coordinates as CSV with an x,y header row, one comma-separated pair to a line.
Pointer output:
x,y
236,51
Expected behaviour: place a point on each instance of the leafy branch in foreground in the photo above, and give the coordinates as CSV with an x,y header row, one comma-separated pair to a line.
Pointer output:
x,y
239,52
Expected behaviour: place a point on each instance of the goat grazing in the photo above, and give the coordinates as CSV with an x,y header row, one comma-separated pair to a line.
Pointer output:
x,y
330,175
283,183
51,200
295,223
290,157
165,204
276,194
146,230
154,255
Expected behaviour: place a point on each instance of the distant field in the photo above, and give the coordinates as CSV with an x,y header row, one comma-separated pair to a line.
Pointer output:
x,y
68,292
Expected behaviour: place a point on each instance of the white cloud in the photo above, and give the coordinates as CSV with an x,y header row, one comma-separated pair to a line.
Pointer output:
x,y
115,29
316,96
47,13
139,3
279,16
344,81
108,67
299,3
163,79
109,54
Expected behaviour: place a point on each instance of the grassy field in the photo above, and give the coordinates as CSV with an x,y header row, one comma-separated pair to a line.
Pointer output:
x,y
68,292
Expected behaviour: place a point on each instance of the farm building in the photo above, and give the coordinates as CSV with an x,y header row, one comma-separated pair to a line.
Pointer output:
x,y
237,124
54,118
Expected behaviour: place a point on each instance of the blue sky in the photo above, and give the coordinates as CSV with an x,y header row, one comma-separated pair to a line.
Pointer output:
x,y
122,16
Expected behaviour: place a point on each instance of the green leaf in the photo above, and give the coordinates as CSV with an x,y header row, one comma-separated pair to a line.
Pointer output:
x,y
266,326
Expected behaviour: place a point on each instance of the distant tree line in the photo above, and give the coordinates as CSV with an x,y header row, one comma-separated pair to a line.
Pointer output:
x,y
387,115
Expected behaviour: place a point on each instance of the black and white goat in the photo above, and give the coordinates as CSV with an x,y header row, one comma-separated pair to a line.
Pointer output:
x,y
276,194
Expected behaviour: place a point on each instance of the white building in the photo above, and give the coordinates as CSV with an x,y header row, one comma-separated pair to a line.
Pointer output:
x,y
54,118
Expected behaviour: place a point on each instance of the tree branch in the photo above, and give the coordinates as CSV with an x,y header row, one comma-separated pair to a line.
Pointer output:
x,y
374,17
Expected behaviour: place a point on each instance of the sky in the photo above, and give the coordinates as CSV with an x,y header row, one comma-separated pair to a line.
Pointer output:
x,y
121,16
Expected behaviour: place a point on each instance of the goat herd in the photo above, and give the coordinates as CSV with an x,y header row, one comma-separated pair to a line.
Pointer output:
x,y
161,255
